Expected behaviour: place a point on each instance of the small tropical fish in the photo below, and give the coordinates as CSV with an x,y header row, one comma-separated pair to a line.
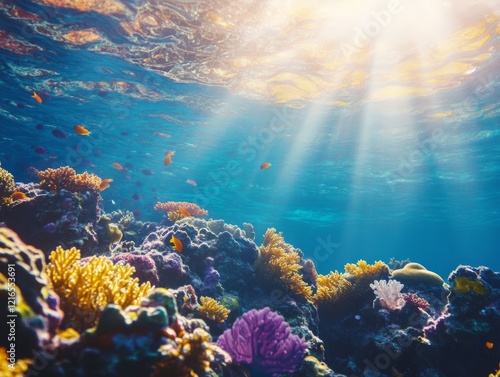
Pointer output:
x,y
147,172
161,134
18,195
80,130
117,166
192,182
105,183
137,213
53,156
37,97
265,165
40,150
59,134
184,212
39,127
489,345
168,157
136,196
176,243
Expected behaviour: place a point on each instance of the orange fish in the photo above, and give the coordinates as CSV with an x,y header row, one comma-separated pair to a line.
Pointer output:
x,y
265,165
168,157
117,166
105,183
184,212
192,182
37,97
176,243
18,195
80,130
489,345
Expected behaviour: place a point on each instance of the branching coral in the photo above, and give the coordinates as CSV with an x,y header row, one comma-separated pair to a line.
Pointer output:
x,y
279,260
7,186
335,287
190,356
262,340
176,210
331,287
388,294
66,178
211,309
86,288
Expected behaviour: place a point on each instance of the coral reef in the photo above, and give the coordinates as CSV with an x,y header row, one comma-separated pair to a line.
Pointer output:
x,y
176,210
262,341
212,310
279,264
331,288
86,288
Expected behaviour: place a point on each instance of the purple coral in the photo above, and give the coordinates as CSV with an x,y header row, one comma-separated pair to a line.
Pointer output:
x,y
145,268
262,340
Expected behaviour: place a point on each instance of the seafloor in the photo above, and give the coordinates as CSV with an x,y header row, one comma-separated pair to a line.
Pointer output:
x,y
90,293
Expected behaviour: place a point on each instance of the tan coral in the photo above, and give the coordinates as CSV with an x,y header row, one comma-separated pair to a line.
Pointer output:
x,y
278,261
211,309
85,289
66,178
192,208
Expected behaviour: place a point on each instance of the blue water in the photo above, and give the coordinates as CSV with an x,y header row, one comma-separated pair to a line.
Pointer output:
x,y
375,179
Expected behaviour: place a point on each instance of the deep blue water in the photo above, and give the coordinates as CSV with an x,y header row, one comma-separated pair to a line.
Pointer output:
x,y
375,179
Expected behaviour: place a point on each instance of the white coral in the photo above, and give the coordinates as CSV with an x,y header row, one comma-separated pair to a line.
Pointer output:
x,y
388,294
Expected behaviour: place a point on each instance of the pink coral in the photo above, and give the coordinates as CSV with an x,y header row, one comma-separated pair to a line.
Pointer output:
x,y
192,208
415,300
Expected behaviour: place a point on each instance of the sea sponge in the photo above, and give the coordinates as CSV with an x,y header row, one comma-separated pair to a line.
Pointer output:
x,y
212,310
85,289
462,285
66,178
280,263
416,273
7,186
174,208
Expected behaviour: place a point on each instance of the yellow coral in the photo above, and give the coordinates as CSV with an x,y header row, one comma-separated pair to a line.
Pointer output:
x,y
462,285
279,260
7,186
363,270
331,287
18,367
497,373
86,289
211,309
189,357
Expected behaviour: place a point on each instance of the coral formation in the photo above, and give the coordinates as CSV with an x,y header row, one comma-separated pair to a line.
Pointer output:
x,y
279,263
86,288
15,369
212,310
415,272
388,294
333,287
262,341
66,178
177,213
7,186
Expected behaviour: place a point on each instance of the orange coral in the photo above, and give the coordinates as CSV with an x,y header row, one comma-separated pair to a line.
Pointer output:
x,y
170,207
211,309
66,178
279,260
